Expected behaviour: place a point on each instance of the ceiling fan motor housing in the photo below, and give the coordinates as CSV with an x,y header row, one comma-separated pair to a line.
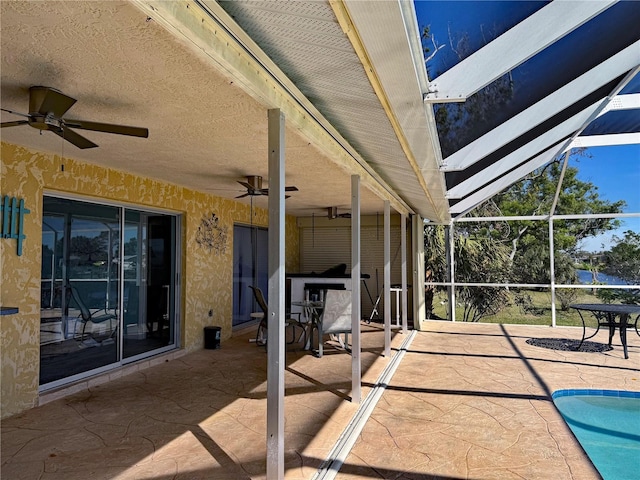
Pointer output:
x,y
255,181
40,115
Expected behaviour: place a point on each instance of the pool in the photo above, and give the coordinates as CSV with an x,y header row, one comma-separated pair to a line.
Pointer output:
x,y
607,425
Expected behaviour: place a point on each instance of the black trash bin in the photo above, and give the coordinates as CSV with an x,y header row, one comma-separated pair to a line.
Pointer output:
x,y
212,337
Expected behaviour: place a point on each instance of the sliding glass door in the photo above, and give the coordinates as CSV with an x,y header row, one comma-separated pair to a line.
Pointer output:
x,y
250,267
108,287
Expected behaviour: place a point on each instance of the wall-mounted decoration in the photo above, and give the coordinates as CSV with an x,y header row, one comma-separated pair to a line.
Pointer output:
x,y
212,235
12,214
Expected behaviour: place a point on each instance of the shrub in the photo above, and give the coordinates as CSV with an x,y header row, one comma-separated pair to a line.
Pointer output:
x,y
567,296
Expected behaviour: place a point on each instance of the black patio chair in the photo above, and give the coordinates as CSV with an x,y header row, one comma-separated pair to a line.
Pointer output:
x,y
86,315
261,334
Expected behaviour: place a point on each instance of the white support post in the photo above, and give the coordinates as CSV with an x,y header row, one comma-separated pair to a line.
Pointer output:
x,y
417,234
552,258
356,366
275,339
552,273
403,248
387,278
452,273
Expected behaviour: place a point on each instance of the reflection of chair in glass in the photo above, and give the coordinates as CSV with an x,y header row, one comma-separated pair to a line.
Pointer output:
x,y
335,318
86,315
261,335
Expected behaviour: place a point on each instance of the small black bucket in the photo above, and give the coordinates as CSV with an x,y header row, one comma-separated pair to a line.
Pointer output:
x,y
212,337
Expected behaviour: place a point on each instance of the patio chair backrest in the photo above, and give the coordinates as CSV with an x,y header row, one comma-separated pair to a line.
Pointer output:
x,y
259,296
336,316
84,310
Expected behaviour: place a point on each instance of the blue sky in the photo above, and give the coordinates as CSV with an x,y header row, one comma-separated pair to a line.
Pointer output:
x,y
616,172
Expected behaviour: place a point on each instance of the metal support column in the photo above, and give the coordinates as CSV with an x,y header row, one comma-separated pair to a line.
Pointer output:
x,y
417,234
552,272
403,248
451,271
275,339
356,365
387,278
552,258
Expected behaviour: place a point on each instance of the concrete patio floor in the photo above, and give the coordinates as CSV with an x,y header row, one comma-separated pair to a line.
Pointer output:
x,y
467,401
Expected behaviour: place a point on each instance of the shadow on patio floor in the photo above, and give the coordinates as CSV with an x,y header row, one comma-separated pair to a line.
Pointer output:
x,y
467,401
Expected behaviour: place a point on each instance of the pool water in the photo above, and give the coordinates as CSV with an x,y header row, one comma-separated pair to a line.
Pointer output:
x,y
607,425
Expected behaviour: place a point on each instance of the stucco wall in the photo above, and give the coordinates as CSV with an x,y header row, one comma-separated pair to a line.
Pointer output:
x,y
206,280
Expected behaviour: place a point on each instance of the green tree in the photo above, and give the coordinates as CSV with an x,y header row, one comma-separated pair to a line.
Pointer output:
x,y
528,240
478,259
623,261
480,255
435,259
89,249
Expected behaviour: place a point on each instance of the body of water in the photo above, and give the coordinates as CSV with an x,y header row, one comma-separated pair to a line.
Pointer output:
x,y
585,277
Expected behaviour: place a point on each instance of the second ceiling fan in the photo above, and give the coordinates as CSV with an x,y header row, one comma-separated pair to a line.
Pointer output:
x,y
254,187
332,213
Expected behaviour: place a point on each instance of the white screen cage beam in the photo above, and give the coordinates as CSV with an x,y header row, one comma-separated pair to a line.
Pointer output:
x,y
568,94
529,37
499,184
606,140
508,162
503,182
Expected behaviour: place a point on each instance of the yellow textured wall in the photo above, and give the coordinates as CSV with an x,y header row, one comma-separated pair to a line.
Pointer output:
x,y
206,276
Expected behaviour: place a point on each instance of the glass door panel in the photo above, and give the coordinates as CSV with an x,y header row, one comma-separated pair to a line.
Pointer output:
x,y
52,327
79,320
149,289
134,274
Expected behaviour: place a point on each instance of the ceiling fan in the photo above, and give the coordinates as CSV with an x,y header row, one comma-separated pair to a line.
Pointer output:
x,y
254,187
332,212
46,108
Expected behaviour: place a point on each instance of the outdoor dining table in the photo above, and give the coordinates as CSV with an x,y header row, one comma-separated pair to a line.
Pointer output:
x,y
313,312
605,314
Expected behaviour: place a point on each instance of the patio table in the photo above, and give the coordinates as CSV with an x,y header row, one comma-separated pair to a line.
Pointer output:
x,y
605,314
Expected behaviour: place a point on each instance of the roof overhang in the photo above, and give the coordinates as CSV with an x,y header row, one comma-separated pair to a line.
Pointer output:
x,y
201,82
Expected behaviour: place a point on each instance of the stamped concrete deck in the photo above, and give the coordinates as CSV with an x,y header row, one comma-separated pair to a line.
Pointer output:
x,y
472,401
468,401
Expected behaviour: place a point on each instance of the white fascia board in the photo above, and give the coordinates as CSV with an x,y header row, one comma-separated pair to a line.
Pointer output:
x,y
605,140
513,48
505,181
543,142
570,93
388,35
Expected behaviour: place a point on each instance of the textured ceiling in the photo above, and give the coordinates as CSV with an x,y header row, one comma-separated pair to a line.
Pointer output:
x,y
365,83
